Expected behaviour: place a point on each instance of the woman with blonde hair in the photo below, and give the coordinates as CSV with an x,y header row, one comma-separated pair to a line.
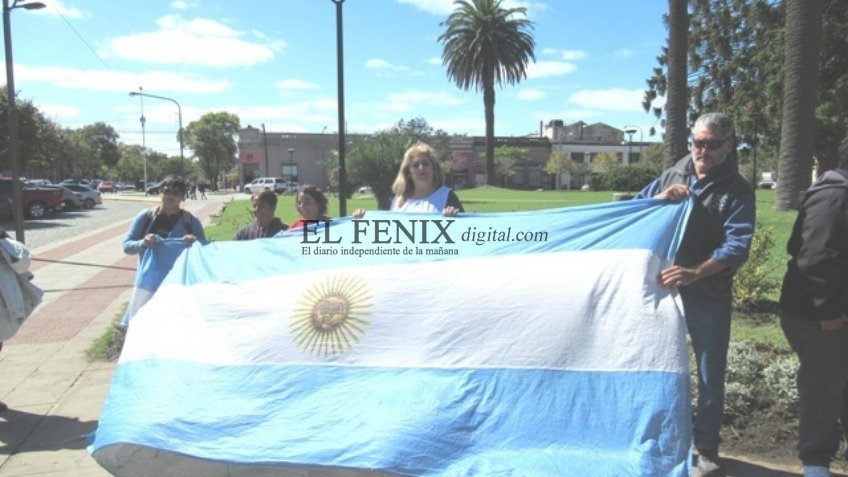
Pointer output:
x,y
420,184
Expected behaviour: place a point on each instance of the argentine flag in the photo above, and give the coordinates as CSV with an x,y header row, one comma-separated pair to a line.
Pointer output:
x,y
525,344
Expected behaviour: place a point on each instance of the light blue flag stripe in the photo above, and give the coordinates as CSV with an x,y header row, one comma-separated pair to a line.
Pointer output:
x,y
614,225
476,428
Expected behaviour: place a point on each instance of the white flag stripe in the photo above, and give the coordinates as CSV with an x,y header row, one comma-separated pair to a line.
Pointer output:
x,y
608,320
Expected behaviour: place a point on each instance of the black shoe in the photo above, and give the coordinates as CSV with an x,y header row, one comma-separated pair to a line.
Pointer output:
x,y
708,463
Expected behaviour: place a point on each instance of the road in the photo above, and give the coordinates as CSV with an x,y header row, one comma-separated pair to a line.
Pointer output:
x,y
60,226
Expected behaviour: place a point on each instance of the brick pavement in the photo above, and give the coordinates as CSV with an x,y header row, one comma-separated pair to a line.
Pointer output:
x,y
54,395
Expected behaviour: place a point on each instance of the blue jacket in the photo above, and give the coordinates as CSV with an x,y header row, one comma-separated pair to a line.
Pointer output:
x,y
721,224
141,226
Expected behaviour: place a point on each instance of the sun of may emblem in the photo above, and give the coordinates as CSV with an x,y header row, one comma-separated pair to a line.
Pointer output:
x,y
331,316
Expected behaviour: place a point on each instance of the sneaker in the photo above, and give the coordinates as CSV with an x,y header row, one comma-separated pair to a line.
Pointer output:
x,y
708,463
816,471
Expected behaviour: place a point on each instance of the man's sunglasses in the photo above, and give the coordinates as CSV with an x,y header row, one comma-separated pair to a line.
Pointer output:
x,y
709,145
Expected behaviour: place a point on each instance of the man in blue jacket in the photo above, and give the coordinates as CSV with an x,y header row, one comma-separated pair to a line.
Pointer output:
x,y
715,244
814,312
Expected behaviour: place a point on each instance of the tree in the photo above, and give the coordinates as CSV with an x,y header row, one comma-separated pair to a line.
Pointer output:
x,y
212,138
506,158
101,140
677,99
559,163
803,42
486,45
731,65
606,161
374,161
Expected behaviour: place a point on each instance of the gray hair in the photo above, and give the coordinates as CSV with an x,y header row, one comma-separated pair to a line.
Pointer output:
x,y
720,123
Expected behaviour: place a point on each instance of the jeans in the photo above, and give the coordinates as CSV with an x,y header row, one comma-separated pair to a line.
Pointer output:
x,y
822,386
708,323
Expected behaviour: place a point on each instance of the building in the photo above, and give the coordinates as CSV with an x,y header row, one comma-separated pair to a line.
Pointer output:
x,y
304,157
469,161
296,157
581,142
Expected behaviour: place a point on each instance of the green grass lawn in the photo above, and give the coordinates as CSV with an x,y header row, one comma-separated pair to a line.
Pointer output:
x,y
762,326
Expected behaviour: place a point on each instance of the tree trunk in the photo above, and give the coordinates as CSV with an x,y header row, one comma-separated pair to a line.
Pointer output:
x,y
677,93
802,41
489,105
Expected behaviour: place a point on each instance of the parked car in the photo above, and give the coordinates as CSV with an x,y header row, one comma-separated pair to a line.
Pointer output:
x,y
73,200
154,189
90,197
365,190
107,186
291,188
39,182
276,184
766,185
77,181
37,201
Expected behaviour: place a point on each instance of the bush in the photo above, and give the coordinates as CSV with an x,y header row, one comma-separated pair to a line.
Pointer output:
x,y
615,179
761,399
754,281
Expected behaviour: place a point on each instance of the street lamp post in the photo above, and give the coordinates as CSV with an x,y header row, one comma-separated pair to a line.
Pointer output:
x,y
291,163
630,130
14,151
265,144
340,72
142,120
179,116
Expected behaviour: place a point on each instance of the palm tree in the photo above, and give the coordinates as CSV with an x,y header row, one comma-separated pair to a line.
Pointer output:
x,y
677,96
485,45
801,67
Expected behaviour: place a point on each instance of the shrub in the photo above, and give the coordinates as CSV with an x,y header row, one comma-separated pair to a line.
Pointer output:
x,y
761,399
754,280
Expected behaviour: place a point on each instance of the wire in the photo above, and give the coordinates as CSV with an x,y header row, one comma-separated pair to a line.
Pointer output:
x,y
80,37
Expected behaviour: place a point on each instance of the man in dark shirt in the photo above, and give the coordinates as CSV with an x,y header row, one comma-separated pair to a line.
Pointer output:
x,y
716,243
265,223
814,313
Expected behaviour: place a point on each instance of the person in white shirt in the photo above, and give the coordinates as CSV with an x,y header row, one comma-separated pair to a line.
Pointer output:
x,y
420,184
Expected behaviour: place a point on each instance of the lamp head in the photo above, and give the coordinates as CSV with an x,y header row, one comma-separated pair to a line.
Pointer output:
x,y
32,6
133,93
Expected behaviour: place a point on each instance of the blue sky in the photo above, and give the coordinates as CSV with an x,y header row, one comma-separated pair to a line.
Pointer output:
x,y
274,62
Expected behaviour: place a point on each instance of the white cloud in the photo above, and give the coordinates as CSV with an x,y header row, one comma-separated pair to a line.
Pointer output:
x,y
381,64
58,7
623,53
409,99
543,69
107,80
295,84
198,42
446,7
613,99
567,55
531,95
384,68
435,60
59,111
184,4
436,7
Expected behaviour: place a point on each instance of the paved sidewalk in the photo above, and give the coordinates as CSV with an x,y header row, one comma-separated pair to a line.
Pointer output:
x,y
54,395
